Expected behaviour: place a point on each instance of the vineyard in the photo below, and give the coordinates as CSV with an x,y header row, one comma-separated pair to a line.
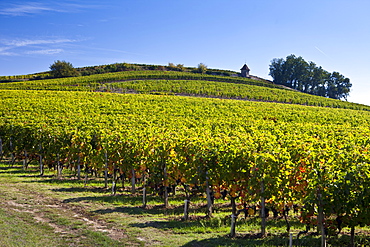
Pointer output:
x,y
182,83
295,162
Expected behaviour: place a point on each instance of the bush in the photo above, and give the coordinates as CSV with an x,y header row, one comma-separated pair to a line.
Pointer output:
x,y
202,68
62,69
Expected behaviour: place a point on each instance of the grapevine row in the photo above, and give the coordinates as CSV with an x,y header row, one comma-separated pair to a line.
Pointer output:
x,y
181,83
254,152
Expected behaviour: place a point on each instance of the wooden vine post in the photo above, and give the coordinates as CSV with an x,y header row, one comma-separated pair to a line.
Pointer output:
x,y
86,174
166,204
285,215
352,241
209,199
186,202
1,149
11,152
79,167
263,210
114,180
106,170
40,160
59,167
145,199
186,209
25,160
321,220
133,181
234,216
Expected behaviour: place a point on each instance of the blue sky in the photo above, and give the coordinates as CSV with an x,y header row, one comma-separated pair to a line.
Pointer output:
x,y
335,34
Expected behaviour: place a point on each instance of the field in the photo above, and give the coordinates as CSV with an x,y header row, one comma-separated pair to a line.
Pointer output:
x,y
250,162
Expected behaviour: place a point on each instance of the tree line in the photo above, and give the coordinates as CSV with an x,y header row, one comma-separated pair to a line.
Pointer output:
x,y
60,69
307,77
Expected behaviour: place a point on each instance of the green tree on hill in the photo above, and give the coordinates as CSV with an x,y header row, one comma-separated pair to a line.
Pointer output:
x,y
62,69
202,68
296,73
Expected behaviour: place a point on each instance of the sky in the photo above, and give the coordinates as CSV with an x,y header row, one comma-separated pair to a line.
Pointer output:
x,y
335,34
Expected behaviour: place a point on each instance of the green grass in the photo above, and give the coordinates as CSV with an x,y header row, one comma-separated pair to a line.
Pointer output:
x,y
31,218
19,229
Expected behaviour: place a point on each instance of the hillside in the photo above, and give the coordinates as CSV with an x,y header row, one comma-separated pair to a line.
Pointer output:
x,y
178,152
182,83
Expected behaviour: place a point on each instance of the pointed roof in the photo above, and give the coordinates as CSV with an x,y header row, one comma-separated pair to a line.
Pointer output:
x,y
245,67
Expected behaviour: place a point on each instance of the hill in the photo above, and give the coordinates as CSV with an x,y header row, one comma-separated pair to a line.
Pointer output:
x,y
157,80
225,149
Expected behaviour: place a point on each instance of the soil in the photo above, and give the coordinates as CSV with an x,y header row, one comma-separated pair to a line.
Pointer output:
x,y
42,208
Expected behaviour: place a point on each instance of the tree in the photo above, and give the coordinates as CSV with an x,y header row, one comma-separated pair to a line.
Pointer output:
x,y
62,69
202,68
338,86
277,71
307,77
298,68
178,67
290,72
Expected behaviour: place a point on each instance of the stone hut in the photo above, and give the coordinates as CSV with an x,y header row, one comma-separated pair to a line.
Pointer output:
x,y
245,71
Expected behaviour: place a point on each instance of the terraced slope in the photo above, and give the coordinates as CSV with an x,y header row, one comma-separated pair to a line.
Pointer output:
x,y
181,83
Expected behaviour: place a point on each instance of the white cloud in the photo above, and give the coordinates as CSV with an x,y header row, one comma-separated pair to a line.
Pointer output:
x,y
24,9
6,53
45,52
27,42
33,46
3,48
30,8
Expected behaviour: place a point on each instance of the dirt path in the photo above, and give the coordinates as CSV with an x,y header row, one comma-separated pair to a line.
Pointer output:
x,y
38,212
71,222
